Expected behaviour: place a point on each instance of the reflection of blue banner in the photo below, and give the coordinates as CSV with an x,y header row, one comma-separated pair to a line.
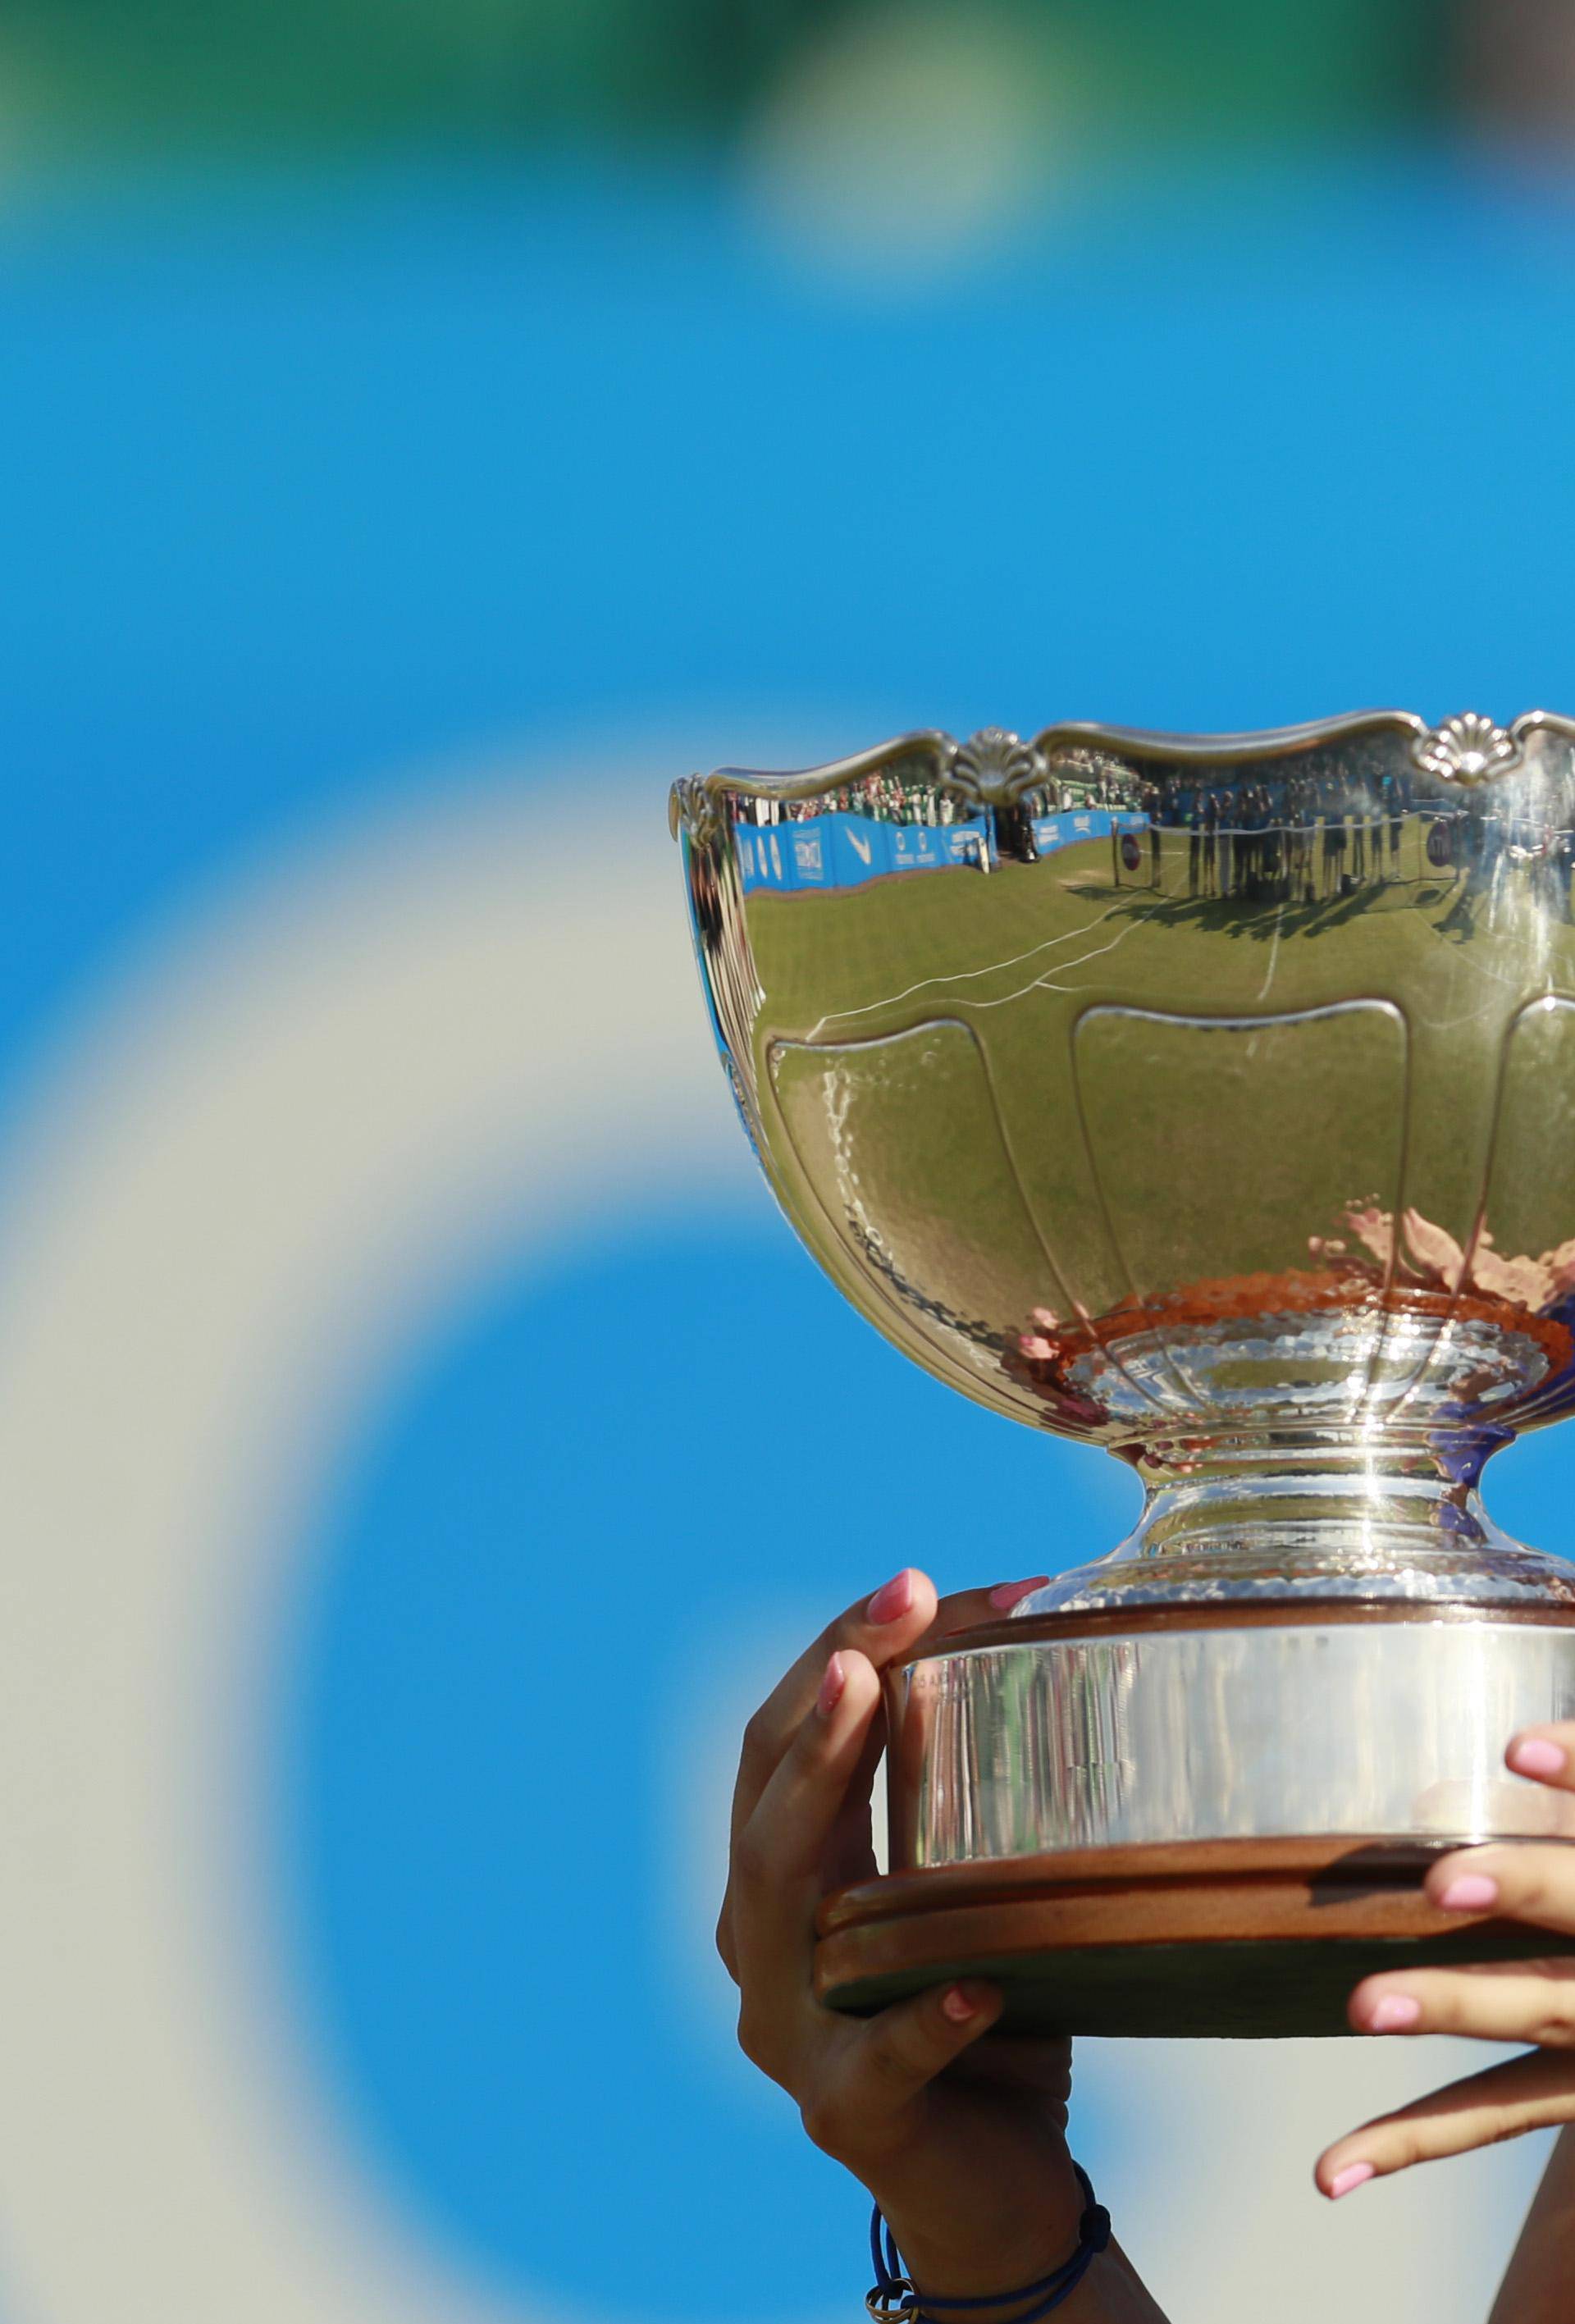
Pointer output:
x,y
764,858
964,843
809,855
918,847
1052,832
861,849
1064,830
845,851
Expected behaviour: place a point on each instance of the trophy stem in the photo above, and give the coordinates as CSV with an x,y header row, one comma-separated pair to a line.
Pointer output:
x,y
1360,1513
1371,1493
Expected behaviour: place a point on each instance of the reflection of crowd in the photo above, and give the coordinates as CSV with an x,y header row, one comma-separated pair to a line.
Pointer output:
x,y
1486,850
884,797
1075,795
890,796
1307,835
1315,834
1297,836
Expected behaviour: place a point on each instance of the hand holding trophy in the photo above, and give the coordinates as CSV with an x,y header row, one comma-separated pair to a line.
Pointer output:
x,y
1213,1100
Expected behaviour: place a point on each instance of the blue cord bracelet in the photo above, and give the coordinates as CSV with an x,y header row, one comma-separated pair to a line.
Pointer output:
x,y
894,2300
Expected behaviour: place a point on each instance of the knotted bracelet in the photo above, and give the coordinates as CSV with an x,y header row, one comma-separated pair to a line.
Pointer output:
x,y
893,2298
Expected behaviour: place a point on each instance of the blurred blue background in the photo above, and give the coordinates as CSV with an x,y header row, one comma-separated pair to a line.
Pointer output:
x,y
392,392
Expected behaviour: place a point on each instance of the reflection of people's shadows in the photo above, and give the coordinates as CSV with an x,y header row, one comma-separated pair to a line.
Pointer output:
x,y
1224,914
1333,911
1259,919
1459,923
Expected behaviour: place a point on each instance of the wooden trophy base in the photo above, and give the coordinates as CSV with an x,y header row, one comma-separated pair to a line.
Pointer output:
x,y
1249,1938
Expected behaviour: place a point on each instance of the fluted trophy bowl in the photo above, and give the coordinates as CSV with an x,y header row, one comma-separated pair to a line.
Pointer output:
x,y
1212,1100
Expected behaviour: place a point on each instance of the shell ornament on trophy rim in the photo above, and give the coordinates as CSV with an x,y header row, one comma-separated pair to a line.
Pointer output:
x,y
1467,750
992,768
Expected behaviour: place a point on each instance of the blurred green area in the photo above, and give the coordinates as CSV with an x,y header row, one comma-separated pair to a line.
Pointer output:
x,y
169,78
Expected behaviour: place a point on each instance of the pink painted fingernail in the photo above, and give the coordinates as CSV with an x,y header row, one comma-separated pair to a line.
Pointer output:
x,y
1472,1892
1355,2174
1395,2013
1533,1755
959,2005
831,1687
1007,1594
892,1599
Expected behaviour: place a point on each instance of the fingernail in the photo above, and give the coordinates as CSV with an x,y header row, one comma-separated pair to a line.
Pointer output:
x,y
892,1599
959,2005
1355,2174
1533,1755
1472,1892
831,1687
1007,1594
1395,2013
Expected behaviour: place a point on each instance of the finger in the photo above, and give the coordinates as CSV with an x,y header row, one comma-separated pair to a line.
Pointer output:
x,y
1525,2094
876,2076
904,2047
850,1856
774,1883
1518,1880
879,1627
1508,2001
900,1616
962,1609
1546,1754
893,1617
901,1613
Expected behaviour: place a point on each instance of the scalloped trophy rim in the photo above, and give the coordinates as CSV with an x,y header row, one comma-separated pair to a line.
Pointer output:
x,y
1463,751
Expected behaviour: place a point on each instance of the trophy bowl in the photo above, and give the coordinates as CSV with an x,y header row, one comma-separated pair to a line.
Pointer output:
x,y
1213,1100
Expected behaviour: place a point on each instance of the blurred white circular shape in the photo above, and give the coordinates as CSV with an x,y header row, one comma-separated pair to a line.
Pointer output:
x,y
289,1144
906,137
256,1179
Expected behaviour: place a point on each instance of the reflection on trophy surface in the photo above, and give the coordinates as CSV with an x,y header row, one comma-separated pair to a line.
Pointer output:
x,y
1213,1100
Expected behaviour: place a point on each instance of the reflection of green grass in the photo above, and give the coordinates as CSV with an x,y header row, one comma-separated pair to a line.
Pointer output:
x,y
1219,1160
819,955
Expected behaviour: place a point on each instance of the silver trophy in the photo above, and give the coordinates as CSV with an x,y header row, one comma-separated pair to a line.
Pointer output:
x,y
1212,1100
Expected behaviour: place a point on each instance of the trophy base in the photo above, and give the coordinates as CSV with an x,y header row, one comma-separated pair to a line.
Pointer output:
x,y
1244,1938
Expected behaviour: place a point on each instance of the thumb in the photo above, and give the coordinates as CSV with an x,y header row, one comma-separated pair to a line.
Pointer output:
x,y
909,2044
